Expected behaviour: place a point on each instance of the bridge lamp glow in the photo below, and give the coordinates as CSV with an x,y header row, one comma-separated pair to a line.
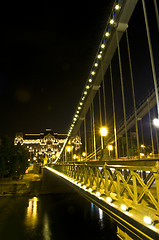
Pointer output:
x,y
96,64
156,122
79,108
87,87
90,80
108,199
103,131
103,45
107,34
111,21
98,194
110,147
93,72
85,92
147,220
117,7
123,207
81,103
99,56
68,149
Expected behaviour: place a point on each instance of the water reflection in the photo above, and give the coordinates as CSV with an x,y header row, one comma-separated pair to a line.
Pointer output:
x,y
101,217
31,214
95,211
46,230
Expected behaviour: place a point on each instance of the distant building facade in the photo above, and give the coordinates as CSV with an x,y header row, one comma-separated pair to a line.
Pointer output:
x,y
44,145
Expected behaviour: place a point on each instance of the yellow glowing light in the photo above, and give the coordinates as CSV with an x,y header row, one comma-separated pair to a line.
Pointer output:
x,y
142,146
68,149
84,154
103,45
103,131
112,21
123,207
108,200
90,80
98,194
107,34
110,147
147,220
99,56
93,72
96,64
117,7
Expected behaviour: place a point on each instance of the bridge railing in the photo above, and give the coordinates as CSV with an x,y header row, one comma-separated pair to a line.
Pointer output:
x,y
135,182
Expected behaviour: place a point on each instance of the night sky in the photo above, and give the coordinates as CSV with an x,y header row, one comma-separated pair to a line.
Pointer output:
x,y
46,52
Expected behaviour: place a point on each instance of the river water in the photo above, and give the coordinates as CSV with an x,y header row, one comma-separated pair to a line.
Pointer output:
x,y
53,217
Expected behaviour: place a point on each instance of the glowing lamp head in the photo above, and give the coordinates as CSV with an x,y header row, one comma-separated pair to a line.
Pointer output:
x,y
68,149
112,21
156,122
147,220
110,147
123,207
103,131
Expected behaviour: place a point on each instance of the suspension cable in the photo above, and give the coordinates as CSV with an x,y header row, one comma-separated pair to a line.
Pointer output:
x,y
123,97
150,127
85,135
151,56
115,134
133,93
156,11
104,98
94,134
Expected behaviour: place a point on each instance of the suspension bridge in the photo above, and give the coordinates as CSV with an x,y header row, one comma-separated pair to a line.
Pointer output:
x,y
117,120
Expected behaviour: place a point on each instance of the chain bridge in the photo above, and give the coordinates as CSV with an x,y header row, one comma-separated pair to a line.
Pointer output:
x,y
117,121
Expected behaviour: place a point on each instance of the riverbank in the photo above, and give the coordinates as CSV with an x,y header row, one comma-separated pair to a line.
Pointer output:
x,y
30,184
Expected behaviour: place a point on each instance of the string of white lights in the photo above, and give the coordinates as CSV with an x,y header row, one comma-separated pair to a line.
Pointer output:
x,y
89,83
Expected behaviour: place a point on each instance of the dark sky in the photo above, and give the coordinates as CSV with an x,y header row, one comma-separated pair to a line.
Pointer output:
x,y
46,51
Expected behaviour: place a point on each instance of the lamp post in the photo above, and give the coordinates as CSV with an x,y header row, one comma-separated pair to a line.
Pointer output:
x,y
103,133
110,148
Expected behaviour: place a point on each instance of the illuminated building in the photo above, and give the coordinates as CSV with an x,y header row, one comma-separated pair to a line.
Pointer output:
x,y
42,145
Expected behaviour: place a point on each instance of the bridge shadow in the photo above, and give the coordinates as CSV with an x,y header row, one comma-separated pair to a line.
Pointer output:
x,y
52,184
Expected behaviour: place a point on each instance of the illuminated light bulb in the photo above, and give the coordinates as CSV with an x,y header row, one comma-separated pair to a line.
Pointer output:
x,y
87,87
77,112
75,119
108,200
85,92
156,122
123,207
117,7
112,21
79,108
98,194
93,72
103,45
90,190
81,103
147,220
90,80
107,34
99,56
96,64
76,115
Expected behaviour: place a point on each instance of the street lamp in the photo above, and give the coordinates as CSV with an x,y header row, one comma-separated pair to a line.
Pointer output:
x,y
103,133
156,122
110,148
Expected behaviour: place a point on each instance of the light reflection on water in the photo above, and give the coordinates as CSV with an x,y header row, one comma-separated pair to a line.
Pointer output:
x,y
46,230
54,218
31,213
